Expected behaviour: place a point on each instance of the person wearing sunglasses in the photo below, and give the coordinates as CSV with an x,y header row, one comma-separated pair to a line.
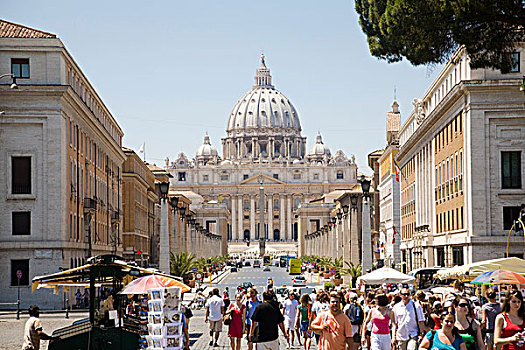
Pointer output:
x,y
468,328
409,322
509,330
446,338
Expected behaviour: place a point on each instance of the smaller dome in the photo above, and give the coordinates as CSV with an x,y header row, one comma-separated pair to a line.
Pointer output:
x,y
206,149
319,148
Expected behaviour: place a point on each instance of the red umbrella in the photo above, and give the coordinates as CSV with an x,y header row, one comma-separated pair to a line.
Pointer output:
x,y
142,284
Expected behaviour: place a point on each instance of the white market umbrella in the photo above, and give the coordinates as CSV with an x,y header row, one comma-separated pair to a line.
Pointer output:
x,y
385,275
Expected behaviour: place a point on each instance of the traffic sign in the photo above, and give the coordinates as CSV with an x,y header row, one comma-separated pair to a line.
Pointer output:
x,y
332,271
194,269
308,262
198,275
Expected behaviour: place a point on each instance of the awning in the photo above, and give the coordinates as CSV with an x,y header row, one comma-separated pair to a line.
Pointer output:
x,y
80,275
470,271
384,275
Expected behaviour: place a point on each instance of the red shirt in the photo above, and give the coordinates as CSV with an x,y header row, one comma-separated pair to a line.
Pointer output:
x,y
509,330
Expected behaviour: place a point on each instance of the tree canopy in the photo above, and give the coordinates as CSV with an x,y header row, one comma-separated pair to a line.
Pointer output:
x,y
429,31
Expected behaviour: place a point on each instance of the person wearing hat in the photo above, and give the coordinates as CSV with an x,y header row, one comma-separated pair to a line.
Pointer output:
x,y
33,332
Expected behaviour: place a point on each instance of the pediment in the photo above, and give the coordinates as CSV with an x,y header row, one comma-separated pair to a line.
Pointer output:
x,y
267,180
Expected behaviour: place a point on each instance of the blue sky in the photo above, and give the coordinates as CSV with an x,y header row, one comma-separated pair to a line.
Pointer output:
x,y
171,70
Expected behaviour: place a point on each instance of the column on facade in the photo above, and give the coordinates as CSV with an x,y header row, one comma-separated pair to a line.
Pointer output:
x,y
354,239
366,240
252,217
346,237
289,211
233,200
269,218
240,218
282,218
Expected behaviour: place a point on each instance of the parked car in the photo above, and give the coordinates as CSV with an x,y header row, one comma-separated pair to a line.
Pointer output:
x,y
257,263
247,263
233,269
299,281
267,268
246,285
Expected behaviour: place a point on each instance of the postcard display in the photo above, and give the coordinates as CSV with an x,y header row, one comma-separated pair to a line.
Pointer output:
x,y
164,318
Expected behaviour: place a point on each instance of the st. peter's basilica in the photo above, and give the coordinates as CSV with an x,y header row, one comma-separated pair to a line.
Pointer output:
x,y
263,144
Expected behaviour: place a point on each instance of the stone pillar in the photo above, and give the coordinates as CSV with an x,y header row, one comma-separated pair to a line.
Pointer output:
x,y
282,218
335,243
289,211
240,218
234,217
270,217
164,249
345,227
354,239
252,217
366,240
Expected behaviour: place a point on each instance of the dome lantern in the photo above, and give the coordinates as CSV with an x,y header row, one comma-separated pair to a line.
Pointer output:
x,y
262,76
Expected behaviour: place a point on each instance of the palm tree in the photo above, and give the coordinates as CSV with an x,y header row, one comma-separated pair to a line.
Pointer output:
x,y
354,271
182,264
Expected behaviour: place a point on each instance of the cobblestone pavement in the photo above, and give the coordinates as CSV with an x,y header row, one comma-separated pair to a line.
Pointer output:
x,y
12,330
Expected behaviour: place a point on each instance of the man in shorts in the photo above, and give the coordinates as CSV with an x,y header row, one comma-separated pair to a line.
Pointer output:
x,y
290,313
214,314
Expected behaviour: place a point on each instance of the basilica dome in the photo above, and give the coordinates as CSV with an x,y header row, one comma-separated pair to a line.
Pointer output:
x,y
264,109
319,148
207,149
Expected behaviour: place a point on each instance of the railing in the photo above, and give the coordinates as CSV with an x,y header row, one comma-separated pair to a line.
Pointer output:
x,y
21,189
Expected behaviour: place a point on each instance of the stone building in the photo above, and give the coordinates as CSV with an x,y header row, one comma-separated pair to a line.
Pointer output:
x,y
461,153
389,192
60,165
263,142
138,204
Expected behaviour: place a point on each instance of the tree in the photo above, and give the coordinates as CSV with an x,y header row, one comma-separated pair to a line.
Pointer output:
x,y
182,264
354,271
429,31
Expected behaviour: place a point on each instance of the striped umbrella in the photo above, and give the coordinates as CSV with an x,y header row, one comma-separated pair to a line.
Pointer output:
x,y
142,284
499,277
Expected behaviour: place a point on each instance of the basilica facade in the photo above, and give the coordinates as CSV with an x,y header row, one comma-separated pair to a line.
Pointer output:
x,y
264,153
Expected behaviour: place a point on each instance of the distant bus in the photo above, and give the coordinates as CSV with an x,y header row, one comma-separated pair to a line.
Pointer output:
x,y
424,276
267,260
294,266
282,261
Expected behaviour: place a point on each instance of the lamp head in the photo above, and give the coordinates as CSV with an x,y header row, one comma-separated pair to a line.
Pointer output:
x,y
345,209
174,201
14,86
164,188
333,219
182,210
354,199
365,185
339,215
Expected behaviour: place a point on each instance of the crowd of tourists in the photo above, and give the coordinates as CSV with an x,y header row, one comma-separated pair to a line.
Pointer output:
x,y
388,318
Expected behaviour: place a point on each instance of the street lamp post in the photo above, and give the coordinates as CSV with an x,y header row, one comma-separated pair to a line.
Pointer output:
x,y
164,249
335,239
12,76
174,201
366,235
262,237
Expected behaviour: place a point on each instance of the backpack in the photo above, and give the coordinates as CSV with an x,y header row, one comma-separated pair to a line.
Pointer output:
x,y
355,314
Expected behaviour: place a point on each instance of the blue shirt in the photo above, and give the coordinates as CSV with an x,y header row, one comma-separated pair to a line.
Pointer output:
x,y
438,344
250,309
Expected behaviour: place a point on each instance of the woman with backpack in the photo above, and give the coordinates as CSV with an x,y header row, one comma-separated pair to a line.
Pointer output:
x,y
446,338
356,315
381,318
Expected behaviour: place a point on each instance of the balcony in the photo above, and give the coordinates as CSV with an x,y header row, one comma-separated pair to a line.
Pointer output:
x,y
115,216
90,205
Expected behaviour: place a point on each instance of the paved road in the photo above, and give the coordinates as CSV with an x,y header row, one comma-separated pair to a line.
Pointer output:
x,y
12,330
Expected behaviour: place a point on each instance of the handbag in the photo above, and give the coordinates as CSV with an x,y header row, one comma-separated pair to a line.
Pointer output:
x,y
227,319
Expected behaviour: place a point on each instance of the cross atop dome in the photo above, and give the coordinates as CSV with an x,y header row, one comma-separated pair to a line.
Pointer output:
x,y
262,75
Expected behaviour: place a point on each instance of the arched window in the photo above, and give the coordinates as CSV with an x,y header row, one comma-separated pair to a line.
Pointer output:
x,y
340,175
297,201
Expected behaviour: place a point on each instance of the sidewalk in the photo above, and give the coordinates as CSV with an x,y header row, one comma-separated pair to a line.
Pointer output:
x,y
216,279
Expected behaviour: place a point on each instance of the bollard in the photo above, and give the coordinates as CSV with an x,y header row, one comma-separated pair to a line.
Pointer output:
x,y
18,309
67,308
